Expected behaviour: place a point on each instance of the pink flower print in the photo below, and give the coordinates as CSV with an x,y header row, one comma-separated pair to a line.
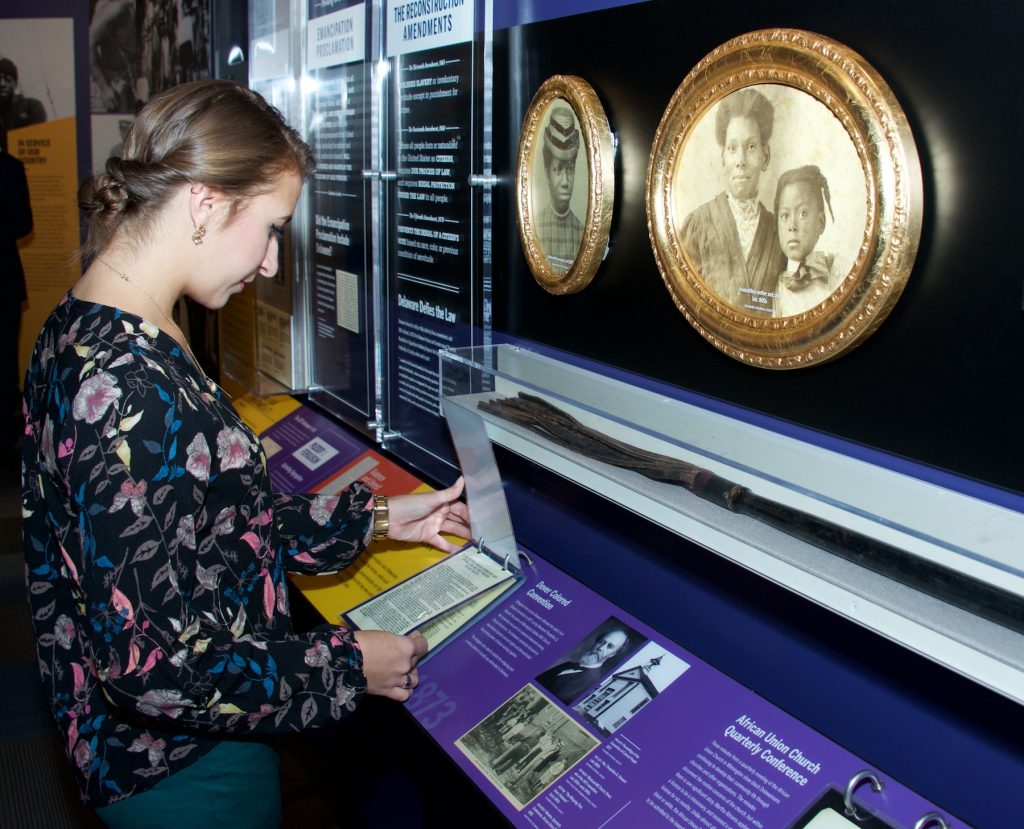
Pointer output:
x,y
72,730
256,716
322,507
64,631
198,463
133,657
318,655
154,749
261,519
186,532
69,338
123,607
95,396
83,756
78,675
130,493
224,523
269,593
46,446
232,448
166,701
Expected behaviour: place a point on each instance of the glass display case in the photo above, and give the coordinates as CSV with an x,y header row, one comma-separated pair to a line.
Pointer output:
x,y
930,566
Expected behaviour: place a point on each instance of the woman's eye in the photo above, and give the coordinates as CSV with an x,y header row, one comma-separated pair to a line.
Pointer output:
x,y
277,231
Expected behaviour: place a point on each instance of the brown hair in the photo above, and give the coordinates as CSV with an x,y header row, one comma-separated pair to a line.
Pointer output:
x,y
212,132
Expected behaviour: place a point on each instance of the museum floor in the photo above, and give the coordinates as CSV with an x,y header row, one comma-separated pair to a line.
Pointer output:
x,y
378,770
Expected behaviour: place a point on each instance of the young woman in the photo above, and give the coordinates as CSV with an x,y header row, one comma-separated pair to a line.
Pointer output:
x,y
156,550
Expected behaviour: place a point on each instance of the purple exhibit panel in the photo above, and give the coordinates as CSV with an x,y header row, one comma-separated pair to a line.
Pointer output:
x,y
568,712
304,448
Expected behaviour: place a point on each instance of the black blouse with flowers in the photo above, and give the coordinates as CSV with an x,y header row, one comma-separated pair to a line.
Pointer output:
x,y
156,556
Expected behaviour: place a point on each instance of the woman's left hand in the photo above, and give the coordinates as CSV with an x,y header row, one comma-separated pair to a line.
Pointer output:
x,y
423,517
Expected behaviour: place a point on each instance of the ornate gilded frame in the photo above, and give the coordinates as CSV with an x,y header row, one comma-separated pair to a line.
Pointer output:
x,y
797,63
597,150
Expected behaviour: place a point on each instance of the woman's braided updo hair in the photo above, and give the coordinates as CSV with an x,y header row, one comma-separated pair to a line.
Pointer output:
x,y
213,132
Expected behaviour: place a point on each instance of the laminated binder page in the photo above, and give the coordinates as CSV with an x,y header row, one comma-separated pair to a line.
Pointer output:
x,y
436,591
440,629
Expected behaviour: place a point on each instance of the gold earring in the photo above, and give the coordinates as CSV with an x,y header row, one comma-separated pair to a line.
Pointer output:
x,y
197,237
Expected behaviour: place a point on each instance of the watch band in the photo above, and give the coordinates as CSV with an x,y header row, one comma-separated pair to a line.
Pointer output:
x,y
380,516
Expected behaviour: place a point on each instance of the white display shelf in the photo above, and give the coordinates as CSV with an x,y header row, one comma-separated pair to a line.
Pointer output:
x,y
980,540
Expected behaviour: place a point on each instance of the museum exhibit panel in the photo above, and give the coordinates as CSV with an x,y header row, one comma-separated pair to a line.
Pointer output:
x,y
732,293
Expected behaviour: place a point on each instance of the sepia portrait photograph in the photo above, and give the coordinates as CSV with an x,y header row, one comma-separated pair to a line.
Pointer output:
x,y
565,184
784,198
560,189
772,199
525,745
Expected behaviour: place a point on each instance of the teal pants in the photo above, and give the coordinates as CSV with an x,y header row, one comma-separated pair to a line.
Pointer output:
x,y
236,784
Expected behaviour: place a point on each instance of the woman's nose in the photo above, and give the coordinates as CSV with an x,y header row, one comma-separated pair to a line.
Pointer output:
x,y
268,267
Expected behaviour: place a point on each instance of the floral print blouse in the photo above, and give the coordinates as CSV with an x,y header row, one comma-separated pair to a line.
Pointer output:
x,y
156,557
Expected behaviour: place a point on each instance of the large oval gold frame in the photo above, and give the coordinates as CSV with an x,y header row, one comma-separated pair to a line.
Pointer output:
x,y
599,153
859,98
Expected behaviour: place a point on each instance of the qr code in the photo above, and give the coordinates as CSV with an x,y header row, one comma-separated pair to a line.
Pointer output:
x,y
315,453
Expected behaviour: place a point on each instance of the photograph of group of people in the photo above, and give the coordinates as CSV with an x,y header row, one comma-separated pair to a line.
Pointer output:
x,y
529,742
525,745
139,48
773,200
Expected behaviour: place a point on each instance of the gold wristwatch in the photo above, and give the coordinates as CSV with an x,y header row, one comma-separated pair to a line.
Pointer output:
x,y
380,516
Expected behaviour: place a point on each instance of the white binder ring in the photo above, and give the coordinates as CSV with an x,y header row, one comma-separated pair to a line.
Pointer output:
x,y
932,820
859,779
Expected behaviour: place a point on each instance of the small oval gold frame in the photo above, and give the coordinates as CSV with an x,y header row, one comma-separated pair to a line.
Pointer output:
x,y
859,98
598,149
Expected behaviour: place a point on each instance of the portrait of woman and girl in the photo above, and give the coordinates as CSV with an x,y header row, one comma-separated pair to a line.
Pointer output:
x,y
773,201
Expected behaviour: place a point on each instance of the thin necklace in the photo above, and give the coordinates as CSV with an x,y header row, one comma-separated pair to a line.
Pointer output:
x,y
149,296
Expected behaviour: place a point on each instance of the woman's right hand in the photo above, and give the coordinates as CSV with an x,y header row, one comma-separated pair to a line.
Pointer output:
x,y
389,662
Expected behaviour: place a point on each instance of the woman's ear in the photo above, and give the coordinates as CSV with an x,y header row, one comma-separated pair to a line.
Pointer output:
x,y
767,157
202,204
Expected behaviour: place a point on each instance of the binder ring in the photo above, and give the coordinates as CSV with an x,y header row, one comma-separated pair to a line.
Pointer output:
x,y
933,819
857,780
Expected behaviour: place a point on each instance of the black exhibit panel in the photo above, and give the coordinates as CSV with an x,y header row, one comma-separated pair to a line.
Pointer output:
x,y
342,322
938,382
433,301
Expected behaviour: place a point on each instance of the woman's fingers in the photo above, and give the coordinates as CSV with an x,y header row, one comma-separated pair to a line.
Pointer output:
x,y
389,662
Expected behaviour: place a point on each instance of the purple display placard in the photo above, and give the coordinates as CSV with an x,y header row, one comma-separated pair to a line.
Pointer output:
x,y
304,448
568,712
